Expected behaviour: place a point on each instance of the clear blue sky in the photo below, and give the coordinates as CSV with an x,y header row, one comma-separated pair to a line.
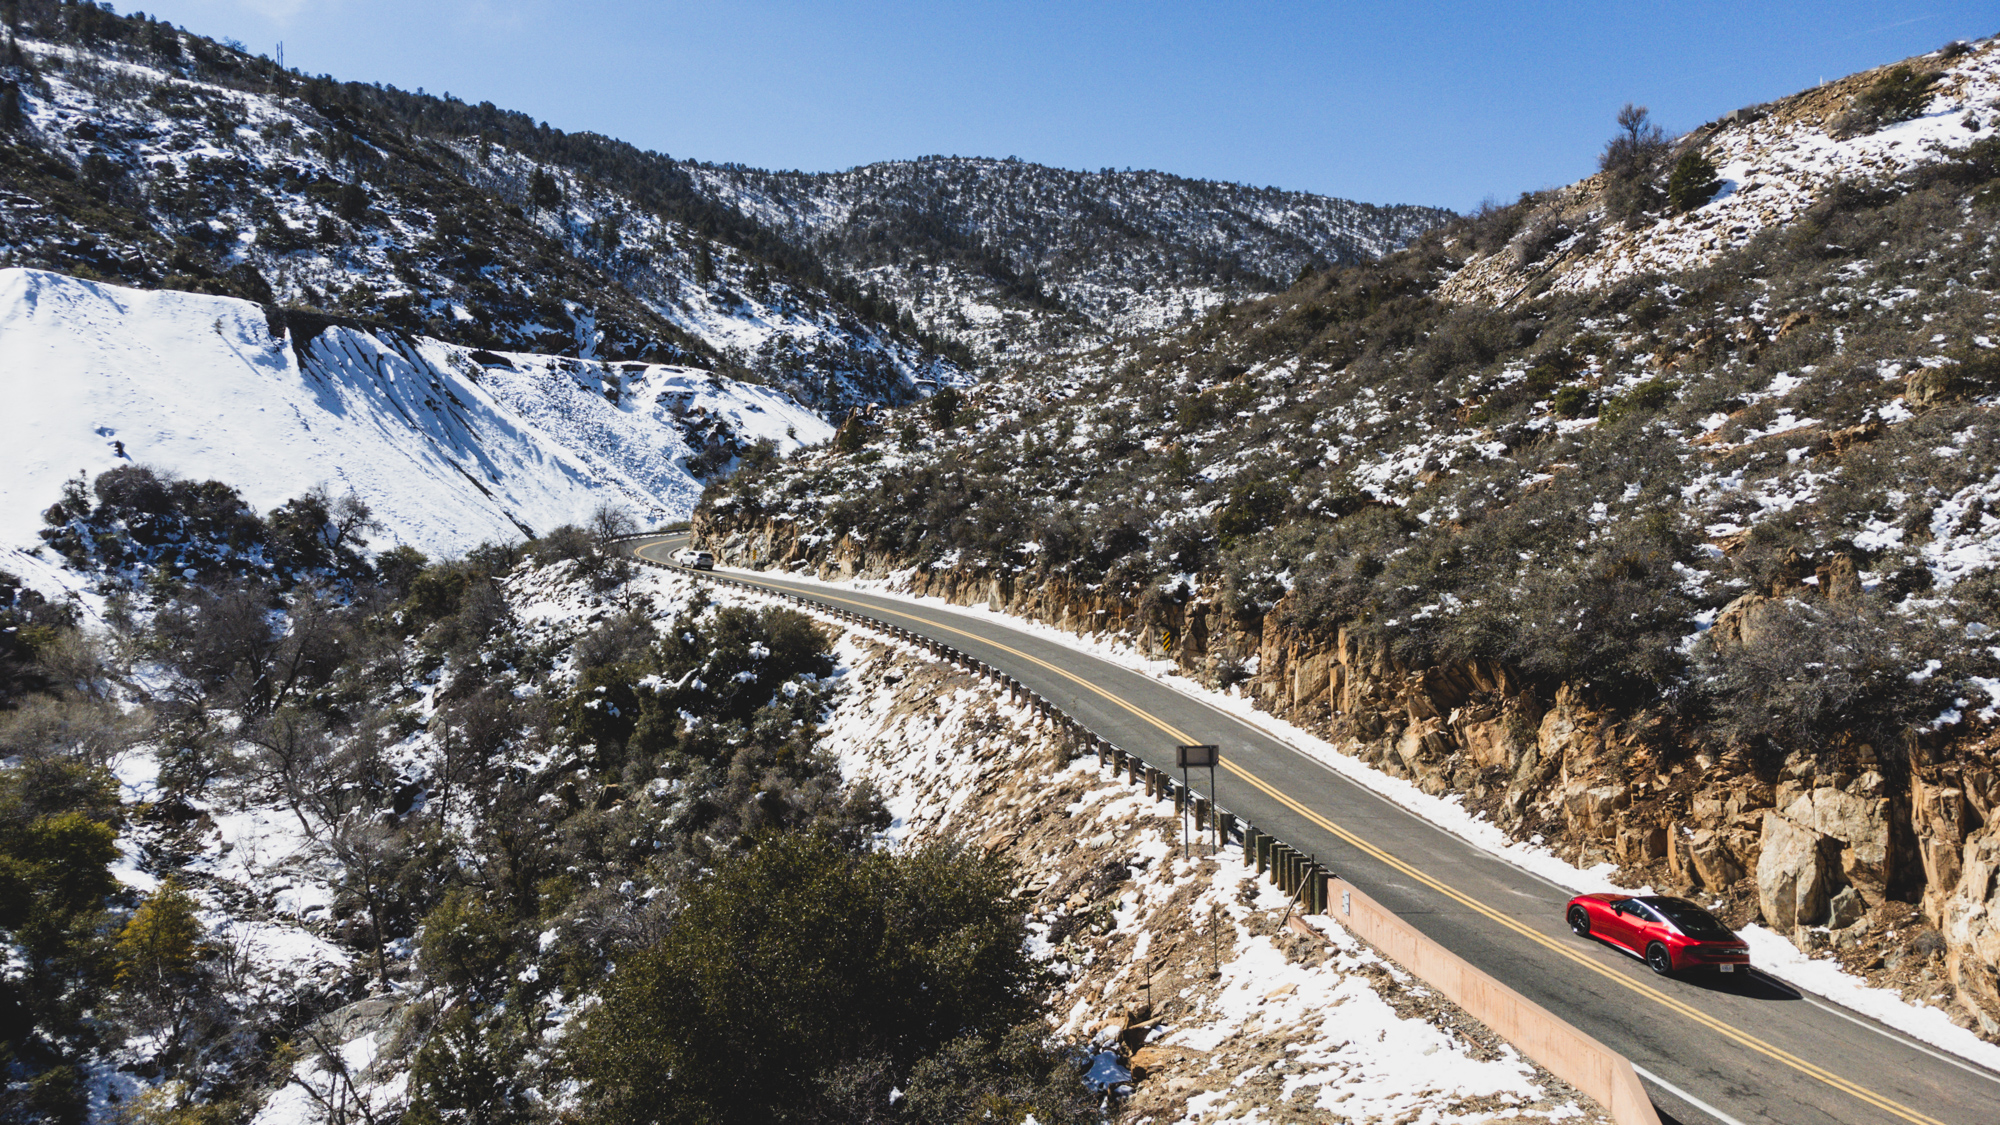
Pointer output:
x,y
1417,102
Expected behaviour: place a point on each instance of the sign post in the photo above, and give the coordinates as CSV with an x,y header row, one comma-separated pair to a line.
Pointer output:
x,y
1197,757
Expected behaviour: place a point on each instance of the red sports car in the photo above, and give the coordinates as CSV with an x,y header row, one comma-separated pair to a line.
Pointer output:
x,y
1670,933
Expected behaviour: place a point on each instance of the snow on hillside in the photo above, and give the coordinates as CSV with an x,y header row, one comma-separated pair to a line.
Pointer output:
x,y
450,446
438,232
1775,162
966,244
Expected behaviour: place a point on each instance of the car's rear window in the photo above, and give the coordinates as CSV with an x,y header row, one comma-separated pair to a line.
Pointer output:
x,y
1692,920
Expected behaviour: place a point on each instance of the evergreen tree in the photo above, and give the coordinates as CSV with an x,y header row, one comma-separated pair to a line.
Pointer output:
x,y
851,438
802,982
159,946
469,1075
1692,183
544,192
352,202
945,407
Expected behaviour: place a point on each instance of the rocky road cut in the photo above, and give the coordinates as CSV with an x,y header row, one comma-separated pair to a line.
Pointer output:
x,y
1711,1048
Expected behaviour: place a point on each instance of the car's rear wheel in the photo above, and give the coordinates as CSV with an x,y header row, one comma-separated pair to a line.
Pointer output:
x,y
1659,959
1579,921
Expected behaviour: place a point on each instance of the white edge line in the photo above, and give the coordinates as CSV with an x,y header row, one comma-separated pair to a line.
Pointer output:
x,y
1904,1038
1683,1095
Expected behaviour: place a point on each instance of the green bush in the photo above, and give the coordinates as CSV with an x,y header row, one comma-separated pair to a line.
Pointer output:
x,y
1692,183
1900,94
467,1074
1645,398
1572,401
802,982
1252,507
465,941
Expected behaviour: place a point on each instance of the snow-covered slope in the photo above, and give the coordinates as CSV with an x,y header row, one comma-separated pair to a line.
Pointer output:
x,y
448,445
1774,162
154,157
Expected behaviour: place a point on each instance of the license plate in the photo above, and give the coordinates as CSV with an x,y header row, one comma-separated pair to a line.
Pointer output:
x,y
1728,968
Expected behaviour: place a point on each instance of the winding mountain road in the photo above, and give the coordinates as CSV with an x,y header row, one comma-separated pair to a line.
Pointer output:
x,y
1711,1048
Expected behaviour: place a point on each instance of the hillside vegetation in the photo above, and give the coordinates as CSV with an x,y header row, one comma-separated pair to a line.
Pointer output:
x,y
1014,258
300,836
1651,514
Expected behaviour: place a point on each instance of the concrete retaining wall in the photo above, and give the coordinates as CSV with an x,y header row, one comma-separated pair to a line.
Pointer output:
x,y
1569,1054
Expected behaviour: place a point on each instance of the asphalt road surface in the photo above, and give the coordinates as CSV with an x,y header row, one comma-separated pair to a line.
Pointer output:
x,y
1711,1048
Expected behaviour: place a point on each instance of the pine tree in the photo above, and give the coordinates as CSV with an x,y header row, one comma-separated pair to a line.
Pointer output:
x,y
158,948
1692,183
543,191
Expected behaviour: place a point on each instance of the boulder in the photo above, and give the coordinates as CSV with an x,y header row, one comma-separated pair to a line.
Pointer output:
x,y
1839,579
1710,859
1845,909
1862,825
1423,745
1795,873
1496,737
1741,622
1313,677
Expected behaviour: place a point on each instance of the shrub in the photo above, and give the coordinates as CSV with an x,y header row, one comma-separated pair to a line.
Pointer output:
x,y
158,946
1692,183
1645,398
1629,161
1821,673
1900,94
351,203
1572,401
465,941
1252,507
802,982
945,408
471,1075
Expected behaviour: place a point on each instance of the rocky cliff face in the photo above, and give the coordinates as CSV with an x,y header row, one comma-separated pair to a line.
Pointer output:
x,y
1887,858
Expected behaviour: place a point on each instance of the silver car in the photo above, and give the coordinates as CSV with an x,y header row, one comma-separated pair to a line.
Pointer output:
x,y
699,560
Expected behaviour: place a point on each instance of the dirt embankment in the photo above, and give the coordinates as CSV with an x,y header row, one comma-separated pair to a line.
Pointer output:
x,y
1886,858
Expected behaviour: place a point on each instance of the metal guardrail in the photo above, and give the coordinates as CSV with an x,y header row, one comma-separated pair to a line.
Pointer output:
x,y
1602,1074
1296,872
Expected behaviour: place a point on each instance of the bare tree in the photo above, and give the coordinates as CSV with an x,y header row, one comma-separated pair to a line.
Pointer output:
x,y
609,521
369,847
294,755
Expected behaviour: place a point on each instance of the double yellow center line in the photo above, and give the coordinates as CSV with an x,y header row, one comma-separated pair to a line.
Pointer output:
x,y
1726,1030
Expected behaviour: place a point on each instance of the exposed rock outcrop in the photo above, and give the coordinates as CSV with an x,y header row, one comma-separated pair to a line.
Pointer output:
x,y
1794,873
1775,842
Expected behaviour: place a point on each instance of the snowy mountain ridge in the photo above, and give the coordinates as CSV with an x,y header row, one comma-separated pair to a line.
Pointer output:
x,y
989,251
150,156
449,445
